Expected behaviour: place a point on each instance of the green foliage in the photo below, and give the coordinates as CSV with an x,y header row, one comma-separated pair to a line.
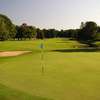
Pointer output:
x,y
3,36
39,34
24,32
87,33
7,29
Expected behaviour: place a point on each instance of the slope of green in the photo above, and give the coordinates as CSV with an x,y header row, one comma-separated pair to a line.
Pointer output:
x,y
68,75
10,94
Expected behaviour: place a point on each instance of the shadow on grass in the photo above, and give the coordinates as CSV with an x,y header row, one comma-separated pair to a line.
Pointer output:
x,y
7,93
77,50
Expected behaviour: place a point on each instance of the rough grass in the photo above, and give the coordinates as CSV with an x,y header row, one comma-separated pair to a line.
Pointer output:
x,y
67,75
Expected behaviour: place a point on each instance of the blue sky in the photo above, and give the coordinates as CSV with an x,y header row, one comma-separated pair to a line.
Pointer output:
x,y
58,14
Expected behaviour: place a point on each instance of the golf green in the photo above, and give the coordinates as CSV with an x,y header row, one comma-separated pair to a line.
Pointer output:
x,y
69,73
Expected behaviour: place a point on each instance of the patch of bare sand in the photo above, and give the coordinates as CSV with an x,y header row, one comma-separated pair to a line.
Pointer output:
x,y
13,53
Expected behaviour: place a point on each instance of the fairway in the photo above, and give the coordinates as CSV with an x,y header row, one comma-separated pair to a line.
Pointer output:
x,y
68,74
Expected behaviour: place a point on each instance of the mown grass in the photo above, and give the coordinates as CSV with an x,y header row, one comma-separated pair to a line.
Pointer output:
x,y
7,93
67,75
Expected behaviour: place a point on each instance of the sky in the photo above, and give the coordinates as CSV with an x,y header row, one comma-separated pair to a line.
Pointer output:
x,y
58,14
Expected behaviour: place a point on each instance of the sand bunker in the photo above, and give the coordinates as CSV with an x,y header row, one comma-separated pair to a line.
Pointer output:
x,y
12,53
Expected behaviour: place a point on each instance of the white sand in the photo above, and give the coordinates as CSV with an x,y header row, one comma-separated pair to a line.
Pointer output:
x,y
12,53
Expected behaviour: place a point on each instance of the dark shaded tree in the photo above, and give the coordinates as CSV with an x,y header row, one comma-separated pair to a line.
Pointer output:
x,y
39,34
88,33
19,33
25,32
50,33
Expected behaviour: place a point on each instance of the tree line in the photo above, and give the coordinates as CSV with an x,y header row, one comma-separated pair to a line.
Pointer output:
x,y
87,33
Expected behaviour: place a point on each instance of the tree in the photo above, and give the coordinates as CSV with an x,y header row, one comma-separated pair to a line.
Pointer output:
x,y
7,29
50,33
88,33
25,32
19,33
31,32
82,25
39,34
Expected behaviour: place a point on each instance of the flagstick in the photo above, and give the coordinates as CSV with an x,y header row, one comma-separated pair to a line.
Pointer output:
x,y
42,55
42,58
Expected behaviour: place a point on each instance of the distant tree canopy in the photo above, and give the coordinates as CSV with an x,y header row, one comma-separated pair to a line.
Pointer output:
x,y
25,32
88,33
39,34
7,29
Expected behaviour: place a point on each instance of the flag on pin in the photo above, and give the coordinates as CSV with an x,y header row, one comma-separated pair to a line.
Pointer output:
x,y
41,46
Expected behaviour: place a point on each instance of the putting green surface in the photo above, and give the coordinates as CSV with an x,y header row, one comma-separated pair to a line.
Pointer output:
x,y
68,74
